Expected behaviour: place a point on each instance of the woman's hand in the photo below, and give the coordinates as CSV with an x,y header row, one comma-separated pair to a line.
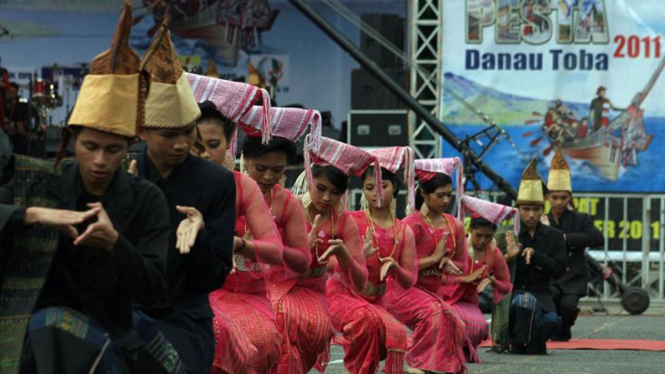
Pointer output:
x,y
474,276
314,240
512,248
389,266
336,247
440,250
368,249
484,283
448,266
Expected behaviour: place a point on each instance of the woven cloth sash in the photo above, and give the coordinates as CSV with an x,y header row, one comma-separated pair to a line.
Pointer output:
x,y
429,273
374,290
29,260
315,272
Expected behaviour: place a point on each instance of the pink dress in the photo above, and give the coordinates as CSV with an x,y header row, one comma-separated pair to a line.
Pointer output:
x,y
465,299
244,321
438,332
370,332
346,230
298,299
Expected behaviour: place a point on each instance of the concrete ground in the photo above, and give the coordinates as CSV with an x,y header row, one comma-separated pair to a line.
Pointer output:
x,y
618,325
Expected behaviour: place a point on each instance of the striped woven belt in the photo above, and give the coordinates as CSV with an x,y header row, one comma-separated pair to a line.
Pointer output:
x,y
374,290
429,273
315,273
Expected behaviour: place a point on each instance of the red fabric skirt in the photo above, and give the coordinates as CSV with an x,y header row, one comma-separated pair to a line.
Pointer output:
x,y
438,332
476,329
255,323
302,320
370,333
230,341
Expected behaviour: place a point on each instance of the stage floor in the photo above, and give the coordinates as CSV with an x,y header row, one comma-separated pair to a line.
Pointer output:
x,y
618,326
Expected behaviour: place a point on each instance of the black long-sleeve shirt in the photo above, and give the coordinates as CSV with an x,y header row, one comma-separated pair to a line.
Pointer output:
x,y
103,285
580,234
547,262
211,190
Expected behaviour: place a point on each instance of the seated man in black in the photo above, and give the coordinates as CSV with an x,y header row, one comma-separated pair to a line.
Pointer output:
x,y
579,233
84,243
539,256
200,199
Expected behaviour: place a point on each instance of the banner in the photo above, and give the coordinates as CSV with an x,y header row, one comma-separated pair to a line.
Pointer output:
x,y
580,74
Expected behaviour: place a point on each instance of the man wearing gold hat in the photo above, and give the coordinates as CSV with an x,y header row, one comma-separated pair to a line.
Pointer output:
x,y
538,257
200,198
579,233
85,242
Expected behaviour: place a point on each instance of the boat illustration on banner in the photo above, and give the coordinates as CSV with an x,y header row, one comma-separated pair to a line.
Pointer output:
x,y
608,144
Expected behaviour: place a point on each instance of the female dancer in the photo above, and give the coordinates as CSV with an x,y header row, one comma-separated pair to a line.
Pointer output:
x,y
438,332
242,300
371,333
297,297
579,233
485,266
333,231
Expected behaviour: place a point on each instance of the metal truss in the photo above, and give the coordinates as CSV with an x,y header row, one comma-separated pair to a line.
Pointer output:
x,y
425,24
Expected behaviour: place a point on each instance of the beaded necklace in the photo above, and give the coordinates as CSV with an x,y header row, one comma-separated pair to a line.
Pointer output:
x,y
332,228
450,230
473,259
395,241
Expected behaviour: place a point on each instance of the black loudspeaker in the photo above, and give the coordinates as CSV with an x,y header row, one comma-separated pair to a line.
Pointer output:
x,y
368,93
391,27
378,128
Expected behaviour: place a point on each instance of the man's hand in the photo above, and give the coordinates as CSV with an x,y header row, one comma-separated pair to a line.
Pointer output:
x,y
64,220
100,234
133,167
527,254
545,220
188,229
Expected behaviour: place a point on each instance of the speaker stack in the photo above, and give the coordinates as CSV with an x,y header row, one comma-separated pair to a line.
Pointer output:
x,y
366,91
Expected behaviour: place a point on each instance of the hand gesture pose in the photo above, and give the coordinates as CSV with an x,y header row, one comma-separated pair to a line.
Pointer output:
x,y
133,167
475,275
440,251
100,234
188,229
388,267
64,220
449,267
545,220
484,283
527,254
314,240
512,248
335,247
368,245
